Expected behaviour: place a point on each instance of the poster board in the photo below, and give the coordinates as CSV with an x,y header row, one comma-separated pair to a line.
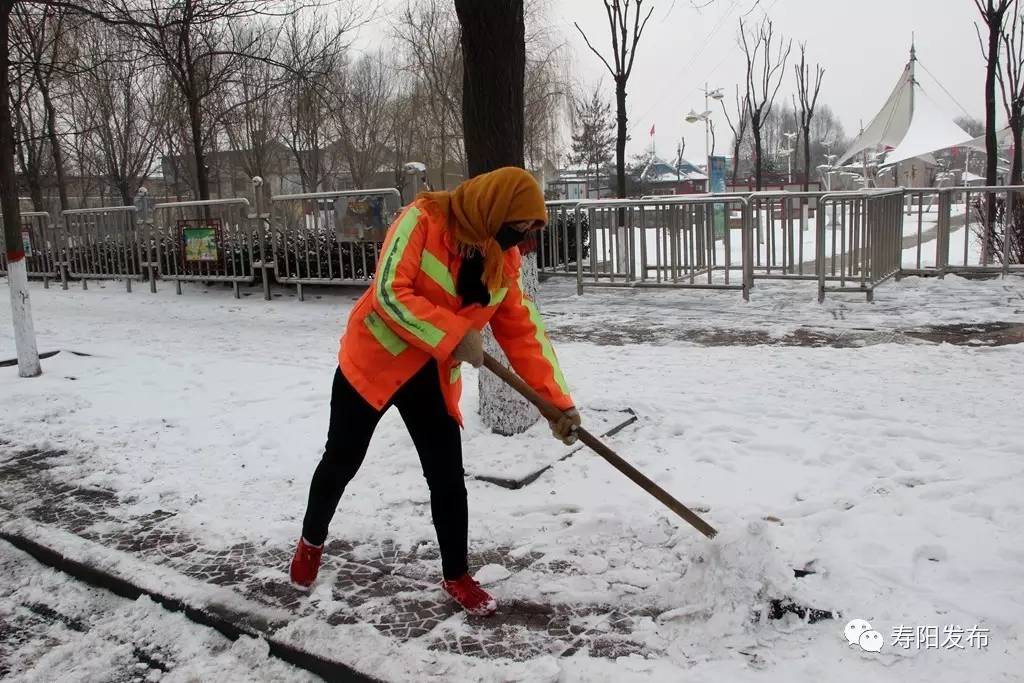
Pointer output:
x,y
200,239
361,219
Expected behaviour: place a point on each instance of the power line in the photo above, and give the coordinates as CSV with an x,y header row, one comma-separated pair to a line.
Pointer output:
x,y
700,51
949,94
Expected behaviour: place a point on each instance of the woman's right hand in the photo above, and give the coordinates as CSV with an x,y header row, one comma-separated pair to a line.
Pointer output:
x,y
470,349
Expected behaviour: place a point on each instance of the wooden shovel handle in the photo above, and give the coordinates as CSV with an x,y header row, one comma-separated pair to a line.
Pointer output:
x,y
552,413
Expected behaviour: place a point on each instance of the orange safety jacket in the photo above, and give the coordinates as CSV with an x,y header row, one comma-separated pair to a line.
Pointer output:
x,y
412,313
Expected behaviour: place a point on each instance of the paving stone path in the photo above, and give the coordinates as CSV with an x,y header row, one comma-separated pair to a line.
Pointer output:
x,y
392,589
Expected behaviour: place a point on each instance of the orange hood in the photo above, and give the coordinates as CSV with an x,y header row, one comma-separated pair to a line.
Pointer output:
x,y
478,207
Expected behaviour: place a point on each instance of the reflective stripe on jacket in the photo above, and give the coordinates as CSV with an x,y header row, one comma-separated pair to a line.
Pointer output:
x,y
412,313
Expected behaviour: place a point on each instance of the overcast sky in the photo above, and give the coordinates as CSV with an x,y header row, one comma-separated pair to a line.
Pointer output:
x,y
863,45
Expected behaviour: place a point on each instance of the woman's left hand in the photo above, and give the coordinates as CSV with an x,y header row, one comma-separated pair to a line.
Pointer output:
x,y
564,428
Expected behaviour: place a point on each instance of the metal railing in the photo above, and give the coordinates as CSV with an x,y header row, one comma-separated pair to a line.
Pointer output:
x,y
845,241
204,241
784,233
39,243
556,244
329,238
101,244
992,238
867,244
674,242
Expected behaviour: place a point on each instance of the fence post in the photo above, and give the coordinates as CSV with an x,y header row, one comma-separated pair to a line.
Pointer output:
x,y
257,191
144,237
819,249
747,249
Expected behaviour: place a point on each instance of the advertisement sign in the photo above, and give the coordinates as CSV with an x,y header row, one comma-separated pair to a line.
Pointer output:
x,y
360,218
26,241
716,183
200,239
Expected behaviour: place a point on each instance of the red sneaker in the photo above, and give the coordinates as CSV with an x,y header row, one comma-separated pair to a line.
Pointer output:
x,y
306,564
468,593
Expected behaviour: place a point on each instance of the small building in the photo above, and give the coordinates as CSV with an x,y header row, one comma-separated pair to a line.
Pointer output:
x,y
661,177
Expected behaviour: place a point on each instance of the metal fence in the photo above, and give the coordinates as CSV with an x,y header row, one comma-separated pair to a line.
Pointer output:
x,y
556,244
101,244
784,233
329,238
204,241
865,240
845,241
38,241
675,242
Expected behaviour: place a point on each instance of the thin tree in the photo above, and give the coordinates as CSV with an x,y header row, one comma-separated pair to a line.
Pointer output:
x,y
366,130
625,35
45,36
428,32
1010,74
739,130
766,64
593,137
993,15
807,89
1011,83
114,105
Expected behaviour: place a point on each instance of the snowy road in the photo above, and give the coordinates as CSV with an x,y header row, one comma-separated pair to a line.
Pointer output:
x,y
894,468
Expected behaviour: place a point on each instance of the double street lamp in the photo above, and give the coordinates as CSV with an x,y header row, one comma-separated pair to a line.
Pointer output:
x,y
709,125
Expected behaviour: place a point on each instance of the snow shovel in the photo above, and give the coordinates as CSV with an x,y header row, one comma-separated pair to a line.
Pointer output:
x,y
550,412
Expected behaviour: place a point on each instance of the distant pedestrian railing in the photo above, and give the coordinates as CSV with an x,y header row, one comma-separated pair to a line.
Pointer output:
x,y
38,243
556,244
329,238
684,241
101,244
842,241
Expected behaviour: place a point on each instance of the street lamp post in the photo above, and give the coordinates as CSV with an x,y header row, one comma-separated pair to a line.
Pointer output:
x,y
709,124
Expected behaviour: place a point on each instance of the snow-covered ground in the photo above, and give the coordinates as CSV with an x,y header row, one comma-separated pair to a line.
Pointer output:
x,y
893,469
57,629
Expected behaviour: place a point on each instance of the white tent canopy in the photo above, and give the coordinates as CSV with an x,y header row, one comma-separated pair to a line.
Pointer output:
x,y
909,125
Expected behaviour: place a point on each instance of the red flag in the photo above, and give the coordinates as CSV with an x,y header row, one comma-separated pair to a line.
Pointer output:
x,y
652,130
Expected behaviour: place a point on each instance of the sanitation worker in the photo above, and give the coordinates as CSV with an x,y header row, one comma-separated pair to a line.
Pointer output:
x,y
449,266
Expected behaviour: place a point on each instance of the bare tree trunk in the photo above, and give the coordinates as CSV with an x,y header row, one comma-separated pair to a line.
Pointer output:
x,y
17,276
55,146
1017,129
758,160
620,138
494,63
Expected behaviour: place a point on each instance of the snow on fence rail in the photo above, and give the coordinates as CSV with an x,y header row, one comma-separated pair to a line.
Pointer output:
x,y
37,239
101,244
329,238
205,241
844,241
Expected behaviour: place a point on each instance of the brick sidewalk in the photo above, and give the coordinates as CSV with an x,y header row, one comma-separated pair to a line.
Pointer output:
x,y
392,589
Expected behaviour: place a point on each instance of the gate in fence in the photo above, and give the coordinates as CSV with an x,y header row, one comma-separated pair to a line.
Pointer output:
x,y
101,244
329,238
38,242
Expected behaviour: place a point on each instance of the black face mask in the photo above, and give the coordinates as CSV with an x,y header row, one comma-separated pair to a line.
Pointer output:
x,y
508,237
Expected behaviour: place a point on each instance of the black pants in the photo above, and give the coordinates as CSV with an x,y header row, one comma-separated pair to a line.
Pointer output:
x,y
436,436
